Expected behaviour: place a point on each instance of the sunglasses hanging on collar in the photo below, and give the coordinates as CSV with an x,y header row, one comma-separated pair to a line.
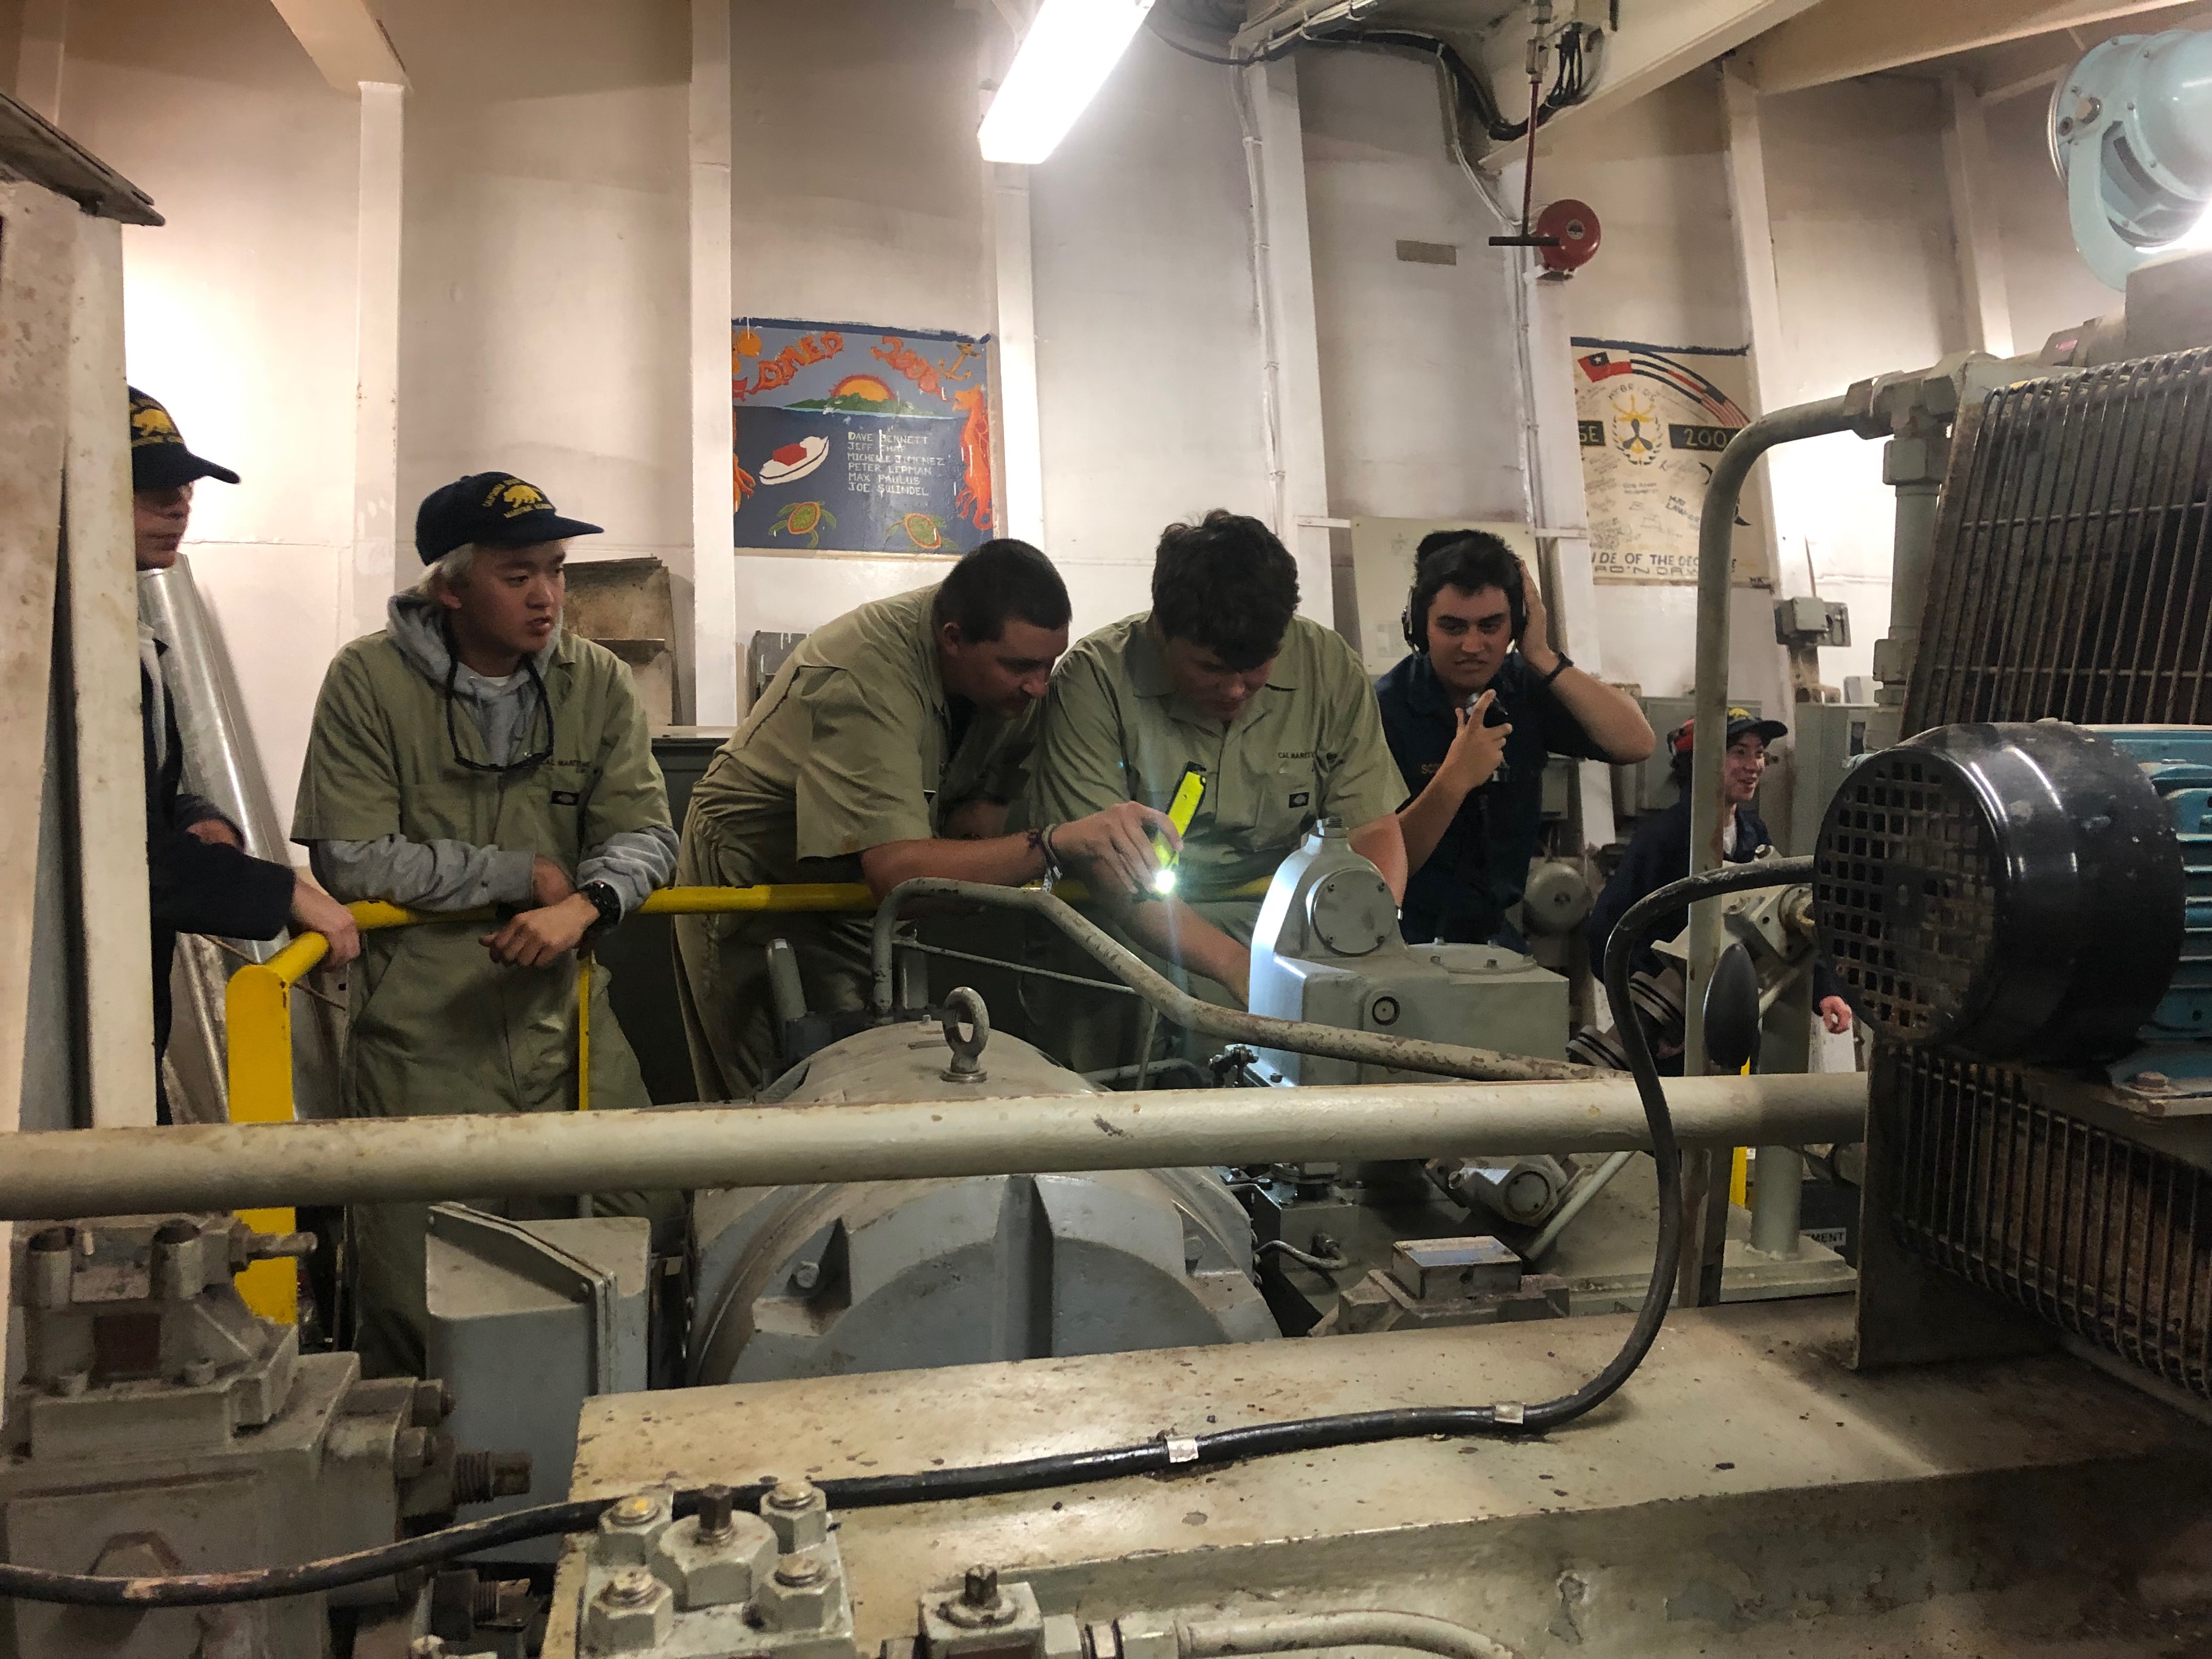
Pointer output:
x,y
536,757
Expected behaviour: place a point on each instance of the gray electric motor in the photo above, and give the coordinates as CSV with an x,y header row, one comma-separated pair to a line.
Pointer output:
x,y
873,1276
1326,949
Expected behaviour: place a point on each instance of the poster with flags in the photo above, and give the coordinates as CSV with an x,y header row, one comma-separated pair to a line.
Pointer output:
x,y
854,439
1653,420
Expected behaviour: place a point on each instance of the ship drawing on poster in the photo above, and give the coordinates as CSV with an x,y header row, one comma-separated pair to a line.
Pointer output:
x,y
850,439
1653,420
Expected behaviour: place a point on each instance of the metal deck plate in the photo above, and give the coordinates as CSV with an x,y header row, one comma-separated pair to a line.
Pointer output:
x,y
1743,1479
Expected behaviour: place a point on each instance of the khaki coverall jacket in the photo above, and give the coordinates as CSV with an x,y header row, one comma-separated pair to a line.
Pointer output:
x,y
851,746
1308,745
437,1026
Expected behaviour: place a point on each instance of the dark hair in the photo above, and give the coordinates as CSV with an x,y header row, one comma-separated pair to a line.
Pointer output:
x,y
1470,559
1000,579
1227,585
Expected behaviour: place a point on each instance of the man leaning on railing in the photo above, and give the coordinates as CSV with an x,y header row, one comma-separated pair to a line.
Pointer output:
x,y
475,754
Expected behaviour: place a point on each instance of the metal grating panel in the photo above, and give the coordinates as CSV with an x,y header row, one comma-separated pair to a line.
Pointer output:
x,y
1906,889
2069,575
2096,1234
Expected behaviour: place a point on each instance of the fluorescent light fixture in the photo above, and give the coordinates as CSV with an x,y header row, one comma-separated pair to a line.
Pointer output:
x,y
1070,50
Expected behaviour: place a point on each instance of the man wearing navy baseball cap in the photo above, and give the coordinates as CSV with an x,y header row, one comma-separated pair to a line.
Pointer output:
x,y
1659,853
476,755
202,879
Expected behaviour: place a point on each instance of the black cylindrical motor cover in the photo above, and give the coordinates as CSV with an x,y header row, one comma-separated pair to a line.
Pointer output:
x,y
2010,892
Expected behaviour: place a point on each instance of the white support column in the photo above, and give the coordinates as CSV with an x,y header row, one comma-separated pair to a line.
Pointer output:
x,y
1974,220
1562,512
1762,297
1283,257
714,699
38,57
38,231
1020,425
376,573
103,617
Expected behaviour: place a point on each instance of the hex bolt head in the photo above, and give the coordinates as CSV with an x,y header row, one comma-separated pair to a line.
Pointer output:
x,y
67,1385
633,1612
707,1570
410,1453
981,1587
630,1527
797,1572
801,1594
196,1373
798,1512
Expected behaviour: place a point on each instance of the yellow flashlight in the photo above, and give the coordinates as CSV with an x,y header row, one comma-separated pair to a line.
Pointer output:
x,y
1182,807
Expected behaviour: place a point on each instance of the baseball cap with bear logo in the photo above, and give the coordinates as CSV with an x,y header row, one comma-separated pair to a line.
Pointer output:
x,y
493,509
159,460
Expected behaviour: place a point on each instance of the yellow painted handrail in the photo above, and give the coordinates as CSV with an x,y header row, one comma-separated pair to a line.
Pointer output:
x,y
258,1012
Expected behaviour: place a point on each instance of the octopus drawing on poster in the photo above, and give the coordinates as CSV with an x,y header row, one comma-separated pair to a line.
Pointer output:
x,y
858,440
1653,420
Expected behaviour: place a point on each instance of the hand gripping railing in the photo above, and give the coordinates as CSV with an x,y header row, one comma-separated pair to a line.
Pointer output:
x,y
258,1012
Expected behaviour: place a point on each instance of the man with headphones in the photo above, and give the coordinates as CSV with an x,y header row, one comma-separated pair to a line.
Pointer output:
x,y
1471,715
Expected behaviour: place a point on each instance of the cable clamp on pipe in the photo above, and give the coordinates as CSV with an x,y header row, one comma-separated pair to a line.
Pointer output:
x,y
1510,1411
1182,1448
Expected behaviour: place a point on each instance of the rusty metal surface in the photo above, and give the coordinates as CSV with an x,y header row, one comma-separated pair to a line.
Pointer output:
x,y
2094,1232
2070,572
1743,1481
34,149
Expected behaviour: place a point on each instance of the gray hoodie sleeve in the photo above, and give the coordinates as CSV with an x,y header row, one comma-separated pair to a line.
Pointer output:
x,y
633,862
433,875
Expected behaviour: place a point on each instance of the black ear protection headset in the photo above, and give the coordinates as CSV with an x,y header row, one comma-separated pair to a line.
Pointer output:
x,y
1416,628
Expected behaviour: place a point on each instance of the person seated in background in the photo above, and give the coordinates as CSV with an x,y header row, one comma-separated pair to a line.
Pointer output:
x,y
1659,853
475,753
202,879
886,747
1473,713
1273,709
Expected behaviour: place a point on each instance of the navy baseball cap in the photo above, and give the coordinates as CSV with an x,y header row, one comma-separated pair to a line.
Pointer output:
x,y
159,460
1740,721
496,508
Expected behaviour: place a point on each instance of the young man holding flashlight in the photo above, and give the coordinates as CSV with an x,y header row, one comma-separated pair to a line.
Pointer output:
x,y
1272,708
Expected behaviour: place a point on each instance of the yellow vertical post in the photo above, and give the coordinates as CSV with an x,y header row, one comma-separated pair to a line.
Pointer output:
x,y
584,1031
257,1013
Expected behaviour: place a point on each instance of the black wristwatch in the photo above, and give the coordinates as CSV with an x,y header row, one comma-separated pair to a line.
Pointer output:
x,y
604,900
1565,663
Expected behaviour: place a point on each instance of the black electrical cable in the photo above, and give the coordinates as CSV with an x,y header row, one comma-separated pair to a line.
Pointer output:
x,y
1568,88
1035,1473
1153,22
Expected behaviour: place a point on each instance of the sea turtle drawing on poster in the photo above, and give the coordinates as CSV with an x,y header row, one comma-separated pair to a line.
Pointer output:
x,y
1653,421
857,440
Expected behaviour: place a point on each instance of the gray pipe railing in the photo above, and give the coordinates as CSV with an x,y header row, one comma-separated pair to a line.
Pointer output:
x,y
71,1173
1230,1024
1716,551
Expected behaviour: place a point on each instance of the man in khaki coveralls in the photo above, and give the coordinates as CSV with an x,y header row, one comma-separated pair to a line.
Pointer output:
x,y
886,731
1276,710
474,754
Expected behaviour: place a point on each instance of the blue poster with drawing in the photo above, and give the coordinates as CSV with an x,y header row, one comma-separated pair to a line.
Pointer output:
x,y
856,439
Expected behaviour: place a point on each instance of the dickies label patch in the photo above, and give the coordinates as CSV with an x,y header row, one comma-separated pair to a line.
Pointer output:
x,y
1300,798
566,798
